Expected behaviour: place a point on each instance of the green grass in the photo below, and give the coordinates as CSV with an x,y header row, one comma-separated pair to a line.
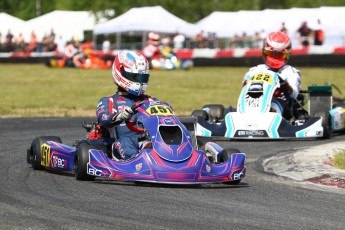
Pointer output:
x,y
339,160
33,90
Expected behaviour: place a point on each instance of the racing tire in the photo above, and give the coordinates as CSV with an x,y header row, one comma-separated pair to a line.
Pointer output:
x,y
200,113
34,155
339,105
215,112
326,124
81,159
225,155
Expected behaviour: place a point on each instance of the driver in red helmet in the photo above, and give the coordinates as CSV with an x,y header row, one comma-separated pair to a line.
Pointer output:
x,y
276,52
131,75
152,50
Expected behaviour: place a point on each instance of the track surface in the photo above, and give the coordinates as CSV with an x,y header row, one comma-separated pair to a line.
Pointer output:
x,y
43,200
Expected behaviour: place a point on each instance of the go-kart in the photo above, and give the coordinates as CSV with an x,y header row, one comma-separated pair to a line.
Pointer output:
x,y
172,153
253,118
80,60
169,61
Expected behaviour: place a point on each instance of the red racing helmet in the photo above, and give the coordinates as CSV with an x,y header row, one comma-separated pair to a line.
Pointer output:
x,y
276,49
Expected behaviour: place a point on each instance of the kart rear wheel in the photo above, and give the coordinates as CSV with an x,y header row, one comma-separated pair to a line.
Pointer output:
x,y
200,113
225,155
339,105
81,159
326,124
215,112
34,155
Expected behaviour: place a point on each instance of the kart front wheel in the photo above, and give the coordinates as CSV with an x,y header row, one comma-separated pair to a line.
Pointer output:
x,y
225,155
34,153
81,159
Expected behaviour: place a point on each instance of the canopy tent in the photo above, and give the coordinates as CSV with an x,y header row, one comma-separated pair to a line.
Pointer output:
x,y
9,22
228,24
67,24
142,20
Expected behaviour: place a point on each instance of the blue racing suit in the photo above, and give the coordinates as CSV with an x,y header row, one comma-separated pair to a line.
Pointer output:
x,y
124,141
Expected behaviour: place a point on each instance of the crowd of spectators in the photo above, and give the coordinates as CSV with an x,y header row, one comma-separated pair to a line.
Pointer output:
x,y
50,42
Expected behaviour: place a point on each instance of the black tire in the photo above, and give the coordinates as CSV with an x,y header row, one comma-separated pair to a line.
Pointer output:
x,y
225,155
200,113
215,112
81,159
326,124
339,105
34,155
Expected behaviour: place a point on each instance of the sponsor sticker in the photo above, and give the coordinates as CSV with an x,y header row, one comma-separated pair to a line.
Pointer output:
x,y
139,166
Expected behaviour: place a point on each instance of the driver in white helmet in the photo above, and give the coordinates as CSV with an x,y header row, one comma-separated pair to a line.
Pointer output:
x,y
131,75
276,52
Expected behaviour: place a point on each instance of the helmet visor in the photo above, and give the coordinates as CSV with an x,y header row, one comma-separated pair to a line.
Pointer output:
x,y
277,54
136,77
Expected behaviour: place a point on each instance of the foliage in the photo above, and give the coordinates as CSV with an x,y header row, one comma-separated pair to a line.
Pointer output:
x,y
191,11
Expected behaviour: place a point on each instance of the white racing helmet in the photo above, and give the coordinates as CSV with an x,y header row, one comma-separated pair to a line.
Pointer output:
x,y
131,72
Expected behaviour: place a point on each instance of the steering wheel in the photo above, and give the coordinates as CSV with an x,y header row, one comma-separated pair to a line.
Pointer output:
x,y
132,124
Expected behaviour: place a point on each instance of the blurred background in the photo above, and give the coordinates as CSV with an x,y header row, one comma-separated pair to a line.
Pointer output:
x,y
41,26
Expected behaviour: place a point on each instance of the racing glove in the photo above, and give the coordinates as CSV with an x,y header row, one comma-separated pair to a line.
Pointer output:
x,y
285,86
124,115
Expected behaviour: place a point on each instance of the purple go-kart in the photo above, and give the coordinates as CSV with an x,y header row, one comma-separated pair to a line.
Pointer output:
x,y
173,154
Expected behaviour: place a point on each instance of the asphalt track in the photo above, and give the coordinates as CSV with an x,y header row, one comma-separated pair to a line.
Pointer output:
x,y
44,200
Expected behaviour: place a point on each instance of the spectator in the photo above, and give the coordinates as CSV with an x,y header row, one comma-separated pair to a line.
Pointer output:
x,y
9,42
318,34
52,36
106,46
304,34
51,46
257,40
60,44
245,40
32,43
212,40
235,41
45,42
283,28
20,43
179,40
200,40
167,41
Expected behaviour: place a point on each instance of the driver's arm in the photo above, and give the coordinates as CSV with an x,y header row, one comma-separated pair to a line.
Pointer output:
x,y
106,117
292,83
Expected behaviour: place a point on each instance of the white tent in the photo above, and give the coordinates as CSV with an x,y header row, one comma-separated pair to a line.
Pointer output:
x,y
227,24
9,22
146,19
65,23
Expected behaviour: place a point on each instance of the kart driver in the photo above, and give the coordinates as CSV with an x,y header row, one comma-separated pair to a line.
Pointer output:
x,y
152,50
276,52
131,75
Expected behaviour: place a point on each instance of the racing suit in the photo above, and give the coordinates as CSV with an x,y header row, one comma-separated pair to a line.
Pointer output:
x,y
289,74
124,142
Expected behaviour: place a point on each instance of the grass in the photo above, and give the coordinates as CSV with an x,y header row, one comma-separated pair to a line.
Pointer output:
x,y
33,90
339,160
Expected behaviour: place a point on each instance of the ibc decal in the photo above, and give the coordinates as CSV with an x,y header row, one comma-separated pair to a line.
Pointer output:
x,y
59,162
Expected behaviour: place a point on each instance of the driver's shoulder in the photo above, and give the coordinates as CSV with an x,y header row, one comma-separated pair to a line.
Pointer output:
x,y
288,69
